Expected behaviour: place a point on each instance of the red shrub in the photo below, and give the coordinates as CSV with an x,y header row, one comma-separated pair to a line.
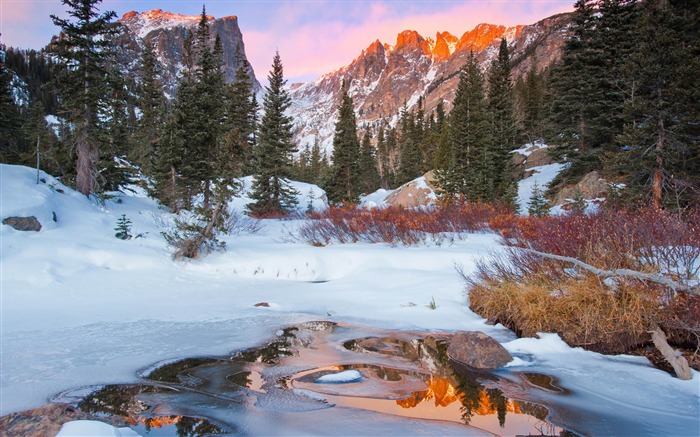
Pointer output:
x,y
394,225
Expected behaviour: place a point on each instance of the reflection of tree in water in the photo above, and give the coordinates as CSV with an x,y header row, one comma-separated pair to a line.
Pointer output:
x,y
191,427
241,379
271,353
470,398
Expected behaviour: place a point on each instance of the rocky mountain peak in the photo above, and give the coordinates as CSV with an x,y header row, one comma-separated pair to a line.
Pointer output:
x,y
445,44
410,41
166,31
383,79
376,48
480,37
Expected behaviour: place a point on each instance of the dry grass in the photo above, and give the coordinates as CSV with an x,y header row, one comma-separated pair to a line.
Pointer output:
x,y
583,311
531,294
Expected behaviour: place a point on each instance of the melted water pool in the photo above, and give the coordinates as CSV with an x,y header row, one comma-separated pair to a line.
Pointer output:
x,y
313,377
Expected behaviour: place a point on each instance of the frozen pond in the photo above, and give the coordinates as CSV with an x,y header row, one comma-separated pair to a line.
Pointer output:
x,y
324,378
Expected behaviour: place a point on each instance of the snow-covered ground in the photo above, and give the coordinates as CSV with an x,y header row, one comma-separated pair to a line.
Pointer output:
x,y
81,307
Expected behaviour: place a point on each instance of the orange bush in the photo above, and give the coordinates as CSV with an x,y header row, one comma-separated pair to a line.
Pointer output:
x,y
396,225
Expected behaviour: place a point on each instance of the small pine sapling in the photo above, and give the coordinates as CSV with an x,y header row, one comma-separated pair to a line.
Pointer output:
x,y
123,228
310,204
579,203
538,206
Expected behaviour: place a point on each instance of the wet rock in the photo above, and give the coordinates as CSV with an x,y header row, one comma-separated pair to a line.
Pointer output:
x,y
23,223
478,350
42,421
262,304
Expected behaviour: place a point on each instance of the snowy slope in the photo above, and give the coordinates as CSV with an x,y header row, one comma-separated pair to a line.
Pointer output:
x,y
80,307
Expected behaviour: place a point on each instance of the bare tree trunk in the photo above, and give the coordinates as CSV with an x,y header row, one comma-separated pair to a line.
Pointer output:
x,y
657,185
38,157
86,178
677,361
173,188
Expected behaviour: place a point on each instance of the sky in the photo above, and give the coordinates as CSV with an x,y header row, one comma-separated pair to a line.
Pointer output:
x,y
313,36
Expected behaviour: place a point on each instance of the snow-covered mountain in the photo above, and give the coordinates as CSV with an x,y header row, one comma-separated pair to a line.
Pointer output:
x,y
385,77
166,32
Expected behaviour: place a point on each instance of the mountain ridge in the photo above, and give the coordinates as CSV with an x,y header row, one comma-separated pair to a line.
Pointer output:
x,y
166,31
384,78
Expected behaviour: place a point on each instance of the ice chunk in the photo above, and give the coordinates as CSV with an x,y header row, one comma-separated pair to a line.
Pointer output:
x,y
94,428
340,377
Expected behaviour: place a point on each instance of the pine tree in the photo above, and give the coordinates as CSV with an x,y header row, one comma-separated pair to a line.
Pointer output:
x,y
409,151
538,206
503,126
151,103
530,99
661,135
85,50
574,80
242,118
468,139
123,228
369,173
167,161
271,191
343,184
10,121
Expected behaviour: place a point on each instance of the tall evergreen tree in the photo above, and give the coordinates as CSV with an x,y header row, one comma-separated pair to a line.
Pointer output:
x,y
10,121
662,138
369,172
469,143
501,101
409,150
85,50
575,78
530,101
242,119
152,103
272,192
343,184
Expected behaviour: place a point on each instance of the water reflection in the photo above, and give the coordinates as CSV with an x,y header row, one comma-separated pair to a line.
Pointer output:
x,y
403,374
121,404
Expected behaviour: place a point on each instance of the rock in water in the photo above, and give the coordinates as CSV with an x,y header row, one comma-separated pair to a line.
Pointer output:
x,y
23,223
478,350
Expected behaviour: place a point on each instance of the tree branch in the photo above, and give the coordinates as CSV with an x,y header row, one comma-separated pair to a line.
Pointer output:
x,y
657,278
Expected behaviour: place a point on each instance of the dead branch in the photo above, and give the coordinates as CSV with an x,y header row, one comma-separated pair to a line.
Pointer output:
x,y
656,278
677,361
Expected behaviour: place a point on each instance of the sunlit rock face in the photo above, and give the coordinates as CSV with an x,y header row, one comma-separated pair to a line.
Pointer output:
x,y
384,78
166,32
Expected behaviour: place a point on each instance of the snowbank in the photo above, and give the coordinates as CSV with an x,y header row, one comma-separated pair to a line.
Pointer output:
x,y
80,307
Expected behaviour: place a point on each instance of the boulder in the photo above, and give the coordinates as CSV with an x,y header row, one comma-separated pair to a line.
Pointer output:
x,y
477,350
23,223
418,192
592,186
538,157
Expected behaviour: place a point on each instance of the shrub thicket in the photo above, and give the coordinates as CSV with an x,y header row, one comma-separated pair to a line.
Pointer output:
x,y
397,225
531,293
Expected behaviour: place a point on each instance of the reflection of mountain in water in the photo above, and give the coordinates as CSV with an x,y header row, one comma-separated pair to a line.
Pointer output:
x,y
445,386
403,374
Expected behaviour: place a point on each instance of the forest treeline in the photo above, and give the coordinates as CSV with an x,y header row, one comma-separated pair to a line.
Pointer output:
x,y
623,100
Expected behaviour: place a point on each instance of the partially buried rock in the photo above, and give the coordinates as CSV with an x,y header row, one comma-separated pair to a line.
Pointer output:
x,y
478,350
23,223
262,304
